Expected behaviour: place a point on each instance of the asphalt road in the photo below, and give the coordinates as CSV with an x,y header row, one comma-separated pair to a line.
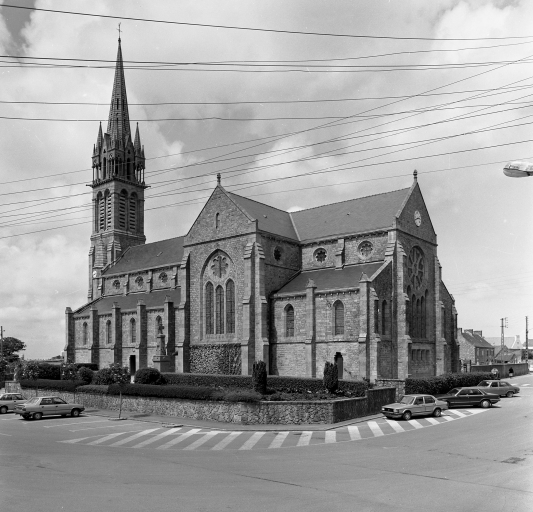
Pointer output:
x,y
479,460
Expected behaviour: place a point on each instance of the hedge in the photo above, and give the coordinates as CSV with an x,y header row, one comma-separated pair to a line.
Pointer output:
x,y
94,389
443,383
355,388
184,392
58,385
91,366
49,371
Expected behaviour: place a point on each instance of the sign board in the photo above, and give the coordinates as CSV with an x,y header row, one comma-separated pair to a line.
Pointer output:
x,y
13,387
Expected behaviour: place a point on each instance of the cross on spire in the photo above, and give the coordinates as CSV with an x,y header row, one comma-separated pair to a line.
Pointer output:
x,y
118,29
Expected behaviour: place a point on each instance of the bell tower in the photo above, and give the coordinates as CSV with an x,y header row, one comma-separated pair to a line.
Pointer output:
x,y
118,185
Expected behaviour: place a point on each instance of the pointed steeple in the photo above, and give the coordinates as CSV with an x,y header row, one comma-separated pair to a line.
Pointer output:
x,y
100,139
137,143
118,125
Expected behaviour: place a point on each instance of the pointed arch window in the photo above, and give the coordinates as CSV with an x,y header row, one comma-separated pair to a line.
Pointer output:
x,y
159,324
219,310
217,220
376,316
338,310
209,326
385,318
133,332
122,212
108,332
85,333
413,316
230,307
108,210
289,321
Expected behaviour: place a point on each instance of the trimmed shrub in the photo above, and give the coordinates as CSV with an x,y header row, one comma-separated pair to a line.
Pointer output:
x,y
443,383
91,388
69,371
242,395
105,376
259,377
149,376
85,375
331,377
354,388
49,371
57,385
185,392
91,366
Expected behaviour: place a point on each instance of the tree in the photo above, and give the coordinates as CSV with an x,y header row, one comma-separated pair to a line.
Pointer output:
x,y
10,347
69,371
30,370
120,376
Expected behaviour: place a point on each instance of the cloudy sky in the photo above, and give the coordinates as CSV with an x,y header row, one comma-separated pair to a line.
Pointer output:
x,y
288,118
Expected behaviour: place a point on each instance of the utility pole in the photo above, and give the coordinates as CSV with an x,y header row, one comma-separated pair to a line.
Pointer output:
x,y
527,346
504,325
2,342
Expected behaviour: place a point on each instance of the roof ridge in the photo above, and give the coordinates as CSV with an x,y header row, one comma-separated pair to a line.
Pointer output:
x,y
258,202
156,242
347,200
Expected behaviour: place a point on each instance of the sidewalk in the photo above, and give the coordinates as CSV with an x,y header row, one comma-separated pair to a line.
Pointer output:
x,y
172,421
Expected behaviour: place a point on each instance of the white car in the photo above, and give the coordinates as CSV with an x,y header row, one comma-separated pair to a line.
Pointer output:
x,y
9,400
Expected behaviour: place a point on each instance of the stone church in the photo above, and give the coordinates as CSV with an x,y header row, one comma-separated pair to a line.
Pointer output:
x,y
357,282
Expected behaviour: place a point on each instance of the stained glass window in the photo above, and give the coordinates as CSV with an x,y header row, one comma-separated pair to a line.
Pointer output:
x,y
339,317
289,321
230,307
209,308
219,310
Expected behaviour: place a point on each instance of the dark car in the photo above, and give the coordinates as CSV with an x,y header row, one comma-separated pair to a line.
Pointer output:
x,y
499,387
469,397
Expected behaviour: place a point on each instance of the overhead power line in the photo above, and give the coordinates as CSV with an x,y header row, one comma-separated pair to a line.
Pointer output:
x,y
270,30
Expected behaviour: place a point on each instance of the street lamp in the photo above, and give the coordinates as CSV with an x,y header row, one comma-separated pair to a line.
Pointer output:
x,y
518,169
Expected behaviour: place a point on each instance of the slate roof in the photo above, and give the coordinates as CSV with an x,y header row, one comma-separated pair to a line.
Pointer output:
x,y
352,216
269,219
156,254
153,299
331,278
476,340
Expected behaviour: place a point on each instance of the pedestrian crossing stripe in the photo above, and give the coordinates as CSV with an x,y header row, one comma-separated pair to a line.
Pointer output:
x,y
190,439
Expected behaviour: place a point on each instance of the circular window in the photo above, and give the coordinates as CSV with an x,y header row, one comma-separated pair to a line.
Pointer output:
x,y
139,282
321,255
365,249
116,284
416,267
278,253
163,277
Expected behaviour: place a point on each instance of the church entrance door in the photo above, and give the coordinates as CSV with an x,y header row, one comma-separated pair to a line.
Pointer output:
x,y
133,365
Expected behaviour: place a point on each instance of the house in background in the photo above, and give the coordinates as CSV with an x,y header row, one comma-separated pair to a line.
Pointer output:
x,y
507,355
473,348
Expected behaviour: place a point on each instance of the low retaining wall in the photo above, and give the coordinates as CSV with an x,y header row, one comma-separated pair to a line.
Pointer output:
x,y
398,384
259,413
518,368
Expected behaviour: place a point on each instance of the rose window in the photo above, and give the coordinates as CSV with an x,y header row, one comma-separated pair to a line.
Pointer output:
x,y
219,266
116,284
139,282
163,277
416,267
320,255
365,249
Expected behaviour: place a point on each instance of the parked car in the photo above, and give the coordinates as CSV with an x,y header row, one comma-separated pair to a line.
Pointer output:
x,y
469,397
414,405
36,408
499,387
9,400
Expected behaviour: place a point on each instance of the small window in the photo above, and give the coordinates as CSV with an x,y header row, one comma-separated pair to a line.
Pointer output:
x,y
163,277
419,401
139,282
321,255
116,284
429,400
339,318
217,220
278,253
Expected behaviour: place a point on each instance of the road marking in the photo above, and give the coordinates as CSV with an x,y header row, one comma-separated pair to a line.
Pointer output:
x,y
415,424
178,439
75,423
331,436
354,433
104,439
227,440
459,413
107,426
433,421
278,440
9,419
2,434
305,438
202,440
374,427
248,445
134,436
156,438
448,418
395,425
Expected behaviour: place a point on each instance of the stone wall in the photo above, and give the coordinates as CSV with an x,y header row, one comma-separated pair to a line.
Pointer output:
x,y
519,369
397,384
261,413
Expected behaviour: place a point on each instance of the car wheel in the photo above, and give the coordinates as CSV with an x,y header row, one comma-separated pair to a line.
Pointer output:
x,y
485,404
75,413
3,409
25,416
509,394
37,415
437,412
406,415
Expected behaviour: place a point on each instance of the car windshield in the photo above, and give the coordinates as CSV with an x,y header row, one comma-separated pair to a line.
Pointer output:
x,y
34,400
484,383
407,400
454,391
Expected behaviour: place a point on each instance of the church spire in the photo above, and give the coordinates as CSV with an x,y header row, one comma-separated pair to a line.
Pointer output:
x,y
137,143
118,125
